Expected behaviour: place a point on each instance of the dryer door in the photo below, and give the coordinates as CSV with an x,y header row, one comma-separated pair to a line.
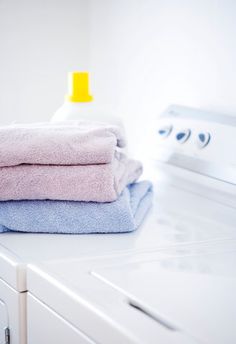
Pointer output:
x,y
3,322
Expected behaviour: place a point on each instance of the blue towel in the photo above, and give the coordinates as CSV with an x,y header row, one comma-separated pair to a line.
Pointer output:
x,y
123,215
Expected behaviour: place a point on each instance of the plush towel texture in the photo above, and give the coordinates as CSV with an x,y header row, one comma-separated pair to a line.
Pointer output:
x,y
62,143
123,215
98,183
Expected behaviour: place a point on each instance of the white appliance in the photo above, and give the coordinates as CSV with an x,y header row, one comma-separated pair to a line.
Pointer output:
x,y
171,281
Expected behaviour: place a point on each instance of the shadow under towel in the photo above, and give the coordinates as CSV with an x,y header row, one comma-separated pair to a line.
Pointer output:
x,y
123,215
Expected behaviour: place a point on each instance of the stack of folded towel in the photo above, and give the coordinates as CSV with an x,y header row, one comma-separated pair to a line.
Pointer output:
x,y
70,177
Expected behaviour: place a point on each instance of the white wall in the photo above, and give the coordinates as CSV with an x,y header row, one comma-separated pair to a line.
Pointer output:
x,y
147,54
40,41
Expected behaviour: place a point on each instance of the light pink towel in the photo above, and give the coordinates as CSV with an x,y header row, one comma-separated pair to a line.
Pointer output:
x,y
62,143
98,183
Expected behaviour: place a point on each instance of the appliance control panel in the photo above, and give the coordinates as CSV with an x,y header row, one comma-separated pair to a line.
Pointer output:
x,y
199,141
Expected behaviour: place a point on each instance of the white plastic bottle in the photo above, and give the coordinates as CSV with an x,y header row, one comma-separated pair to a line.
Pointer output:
x,y
79,104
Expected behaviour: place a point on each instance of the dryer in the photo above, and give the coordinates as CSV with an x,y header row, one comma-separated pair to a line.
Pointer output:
x,y
171,281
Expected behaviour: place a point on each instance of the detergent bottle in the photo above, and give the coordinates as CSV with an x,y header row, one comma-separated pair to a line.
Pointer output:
x,y
79,103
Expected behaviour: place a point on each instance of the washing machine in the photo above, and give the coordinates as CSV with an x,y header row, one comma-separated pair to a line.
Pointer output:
x,y
171,281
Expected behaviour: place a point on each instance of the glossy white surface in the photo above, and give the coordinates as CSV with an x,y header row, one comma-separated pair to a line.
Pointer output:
x,y
55,328
189,288
12,268
3,321
194,294
15,307
98,310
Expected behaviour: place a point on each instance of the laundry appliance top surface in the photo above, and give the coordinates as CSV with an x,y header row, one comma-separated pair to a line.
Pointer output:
x,y
182,287
178,270
184,251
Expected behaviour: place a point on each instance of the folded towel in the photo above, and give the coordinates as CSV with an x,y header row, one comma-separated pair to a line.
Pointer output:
x,y
98,183
123,215
63,143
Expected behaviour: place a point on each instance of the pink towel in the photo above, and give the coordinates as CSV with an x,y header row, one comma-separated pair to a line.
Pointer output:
x,y
63,143
98,183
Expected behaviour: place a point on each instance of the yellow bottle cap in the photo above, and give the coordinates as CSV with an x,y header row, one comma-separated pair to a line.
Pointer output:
x,y
79,87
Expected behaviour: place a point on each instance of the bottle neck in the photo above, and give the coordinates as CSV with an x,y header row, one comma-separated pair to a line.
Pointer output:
x,y
69,104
